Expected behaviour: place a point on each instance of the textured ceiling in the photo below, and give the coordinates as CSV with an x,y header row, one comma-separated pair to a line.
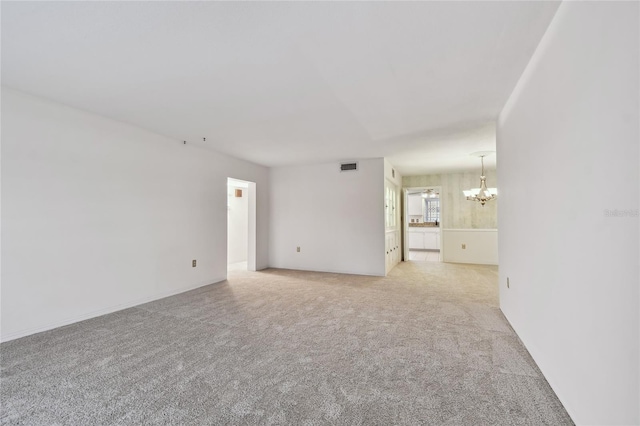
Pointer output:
x,y
279,83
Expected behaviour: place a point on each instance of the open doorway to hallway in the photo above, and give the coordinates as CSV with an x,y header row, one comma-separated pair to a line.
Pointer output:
x,y
241,225
422,224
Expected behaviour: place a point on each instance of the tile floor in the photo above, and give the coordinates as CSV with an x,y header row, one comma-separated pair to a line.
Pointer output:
x,y
240,266
425,255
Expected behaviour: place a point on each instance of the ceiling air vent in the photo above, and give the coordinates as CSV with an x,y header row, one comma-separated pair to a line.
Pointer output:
x,y
348,167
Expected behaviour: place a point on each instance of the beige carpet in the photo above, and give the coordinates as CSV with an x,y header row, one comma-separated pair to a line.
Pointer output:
x,y
426,345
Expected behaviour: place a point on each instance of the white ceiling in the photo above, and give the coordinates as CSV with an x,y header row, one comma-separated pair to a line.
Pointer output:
x,y
279,83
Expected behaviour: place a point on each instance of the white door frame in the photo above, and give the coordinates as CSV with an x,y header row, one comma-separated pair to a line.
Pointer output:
x,y
251,246
252,231
405,227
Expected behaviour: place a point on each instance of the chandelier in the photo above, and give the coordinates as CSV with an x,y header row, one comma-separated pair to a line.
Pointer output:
x,y
482,194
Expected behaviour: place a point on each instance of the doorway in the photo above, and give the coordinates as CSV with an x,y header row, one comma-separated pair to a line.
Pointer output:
x,y
241,225
422,224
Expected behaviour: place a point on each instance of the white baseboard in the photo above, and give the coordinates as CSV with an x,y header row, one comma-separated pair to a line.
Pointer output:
x,y
105,311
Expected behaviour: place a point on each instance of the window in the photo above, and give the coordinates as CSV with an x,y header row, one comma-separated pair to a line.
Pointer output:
x,y
431,209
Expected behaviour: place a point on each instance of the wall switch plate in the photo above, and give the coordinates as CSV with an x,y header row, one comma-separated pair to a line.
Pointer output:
x,y
298,249
464,247
193,263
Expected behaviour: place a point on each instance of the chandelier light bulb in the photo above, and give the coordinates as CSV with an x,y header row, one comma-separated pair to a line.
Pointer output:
x,y
482,194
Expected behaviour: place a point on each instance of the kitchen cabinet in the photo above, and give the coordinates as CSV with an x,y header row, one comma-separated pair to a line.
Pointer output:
x,y
416,240
415,205
432,240
424,238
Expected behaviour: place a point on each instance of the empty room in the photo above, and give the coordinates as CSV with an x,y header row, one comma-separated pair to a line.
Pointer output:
x,y
310,213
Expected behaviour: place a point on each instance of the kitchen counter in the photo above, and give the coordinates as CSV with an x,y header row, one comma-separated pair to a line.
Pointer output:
x,y
423,225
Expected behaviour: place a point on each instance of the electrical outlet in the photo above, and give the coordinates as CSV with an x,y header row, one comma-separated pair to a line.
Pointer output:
x,y
464,247
298,249
508,282
193,263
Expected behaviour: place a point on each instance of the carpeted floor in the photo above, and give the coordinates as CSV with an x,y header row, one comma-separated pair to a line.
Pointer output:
x,y
425,345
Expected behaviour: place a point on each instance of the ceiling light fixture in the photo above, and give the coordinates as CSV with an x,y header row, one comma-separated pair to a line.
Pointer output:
x,y
482,194
429,193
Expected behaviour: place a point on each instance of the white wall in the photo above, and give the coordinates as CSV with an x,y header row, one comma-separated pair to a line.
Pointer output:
x,y
568,150
481,246
237,224
98,215
336,218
